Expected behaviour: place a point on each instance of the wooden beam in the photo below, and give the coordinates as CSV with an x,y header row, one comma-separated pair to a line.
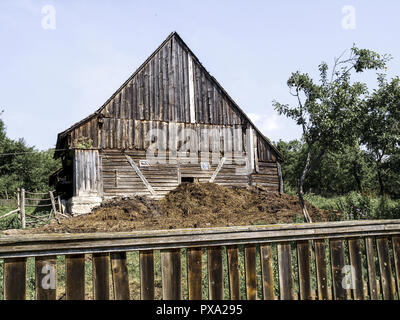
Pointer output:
x,y
217,170
55,244
140,174
191,90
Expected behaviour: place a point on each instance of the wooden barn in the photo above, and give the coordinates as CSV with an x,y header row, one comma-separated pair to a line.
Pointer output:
x,y
170,122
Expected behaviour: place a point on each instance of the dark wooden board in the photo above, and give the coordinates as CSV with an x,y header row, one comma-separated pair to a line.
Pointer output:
x,y
286,288
101,276
215,273
75,277
233,270
385,267
396,256
356,262
120,275
337,264
371,267
320,266
267,271
303,262
171,274
146,260
250,255
46,277
194,267
15,279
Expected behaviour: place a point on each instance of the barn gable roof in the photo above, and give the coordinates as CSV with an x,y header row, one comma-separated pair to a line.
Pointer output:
x,y
178,39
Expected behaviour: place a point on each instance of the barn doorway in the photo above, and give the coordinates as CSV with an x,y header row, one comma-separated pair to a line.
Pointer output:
x,y
187,180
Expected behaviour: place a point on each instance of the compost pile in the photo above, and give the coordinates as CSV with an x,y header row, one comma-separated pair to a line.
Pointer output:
x,y
190,205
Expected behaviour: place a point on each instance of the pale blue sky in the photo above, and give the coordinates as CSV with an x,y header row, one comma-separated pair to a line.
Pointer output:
x,y
50,79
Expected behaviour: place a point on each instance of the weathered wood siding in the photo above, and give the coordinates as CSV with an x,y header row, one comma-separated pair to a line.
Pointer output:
x,y
173,96
159,93
87,173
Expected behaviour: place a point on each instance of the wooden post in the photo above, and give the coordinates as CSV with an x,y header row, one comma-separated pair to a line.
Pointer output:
x,y
53,202
22,208
60,208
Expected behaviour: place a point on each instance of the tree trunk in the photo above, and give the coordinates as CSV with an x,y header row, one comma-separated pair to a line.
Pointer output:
x,y
357,177
300,189
381,186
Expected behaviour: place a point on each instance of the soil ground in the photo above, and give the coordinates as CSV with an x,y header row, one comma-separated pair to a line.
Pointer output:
x,y
190,205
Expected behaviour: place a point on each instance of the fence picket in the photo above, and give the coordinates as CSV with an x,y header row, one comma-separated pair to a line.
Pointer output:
x,y
15,279
267,272
337,264
120,275
194,265
385,268
396,255
356,263
233,270
75,277
372,279
285,272
215,273
46,277
250,255
320,266
146,262
101,276
303,262
171,274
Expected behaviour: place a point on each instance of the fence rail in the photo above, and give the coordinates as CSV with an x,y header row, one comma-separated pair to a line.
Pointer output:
x,y
27,199
280,261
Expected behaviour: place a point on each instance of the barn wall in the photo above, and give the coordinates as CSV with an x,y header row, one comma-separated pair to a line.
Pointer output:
x,y
120,179
86,173
172,86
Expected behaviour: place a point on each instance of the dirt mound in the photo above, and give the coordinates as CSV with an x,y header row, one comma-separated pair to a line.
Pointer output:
x,y
190,205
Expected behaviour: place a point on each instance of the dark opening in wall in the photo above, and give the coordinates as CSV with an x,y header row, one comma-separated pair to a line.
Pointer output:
x,y
187,179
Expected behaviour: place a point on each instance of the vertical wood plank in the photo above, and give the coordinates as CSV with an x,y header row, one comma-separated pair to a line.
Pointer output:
x,y
372,279
22,208
285,272
15,279
303,262
171,274
146,260
120,275
46,277
320,266
385,267
250,253
215,273
267,272
356,263
75,277
194,265
396,256
233,270
101,276
337,263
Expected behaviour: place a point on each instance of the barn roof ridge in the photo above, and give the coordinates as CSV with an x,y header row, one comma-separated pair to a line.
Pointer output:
x,y
186,47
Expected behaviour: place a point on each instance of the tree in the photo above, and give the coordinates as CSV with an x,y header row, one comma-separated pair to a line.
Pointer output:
x,y
381,128
23,166
328,111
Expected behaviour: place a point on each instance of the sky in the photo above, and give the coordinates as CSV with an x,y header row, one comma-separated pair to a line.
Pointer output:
x,y
61,60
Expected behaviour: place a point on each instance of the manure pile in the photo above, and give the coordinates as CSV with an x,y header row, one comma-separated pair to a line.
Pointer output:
x,y
190,205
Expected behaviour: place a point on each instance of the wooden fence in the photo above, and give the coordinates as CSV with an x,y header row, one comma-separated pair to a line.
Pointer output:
x,y
293,261
45,200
